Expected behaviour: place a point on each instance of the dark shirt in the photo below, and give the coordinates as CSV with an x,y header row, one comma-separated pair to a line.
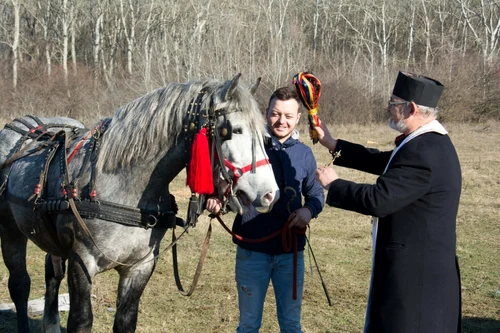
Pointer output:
x,y
294,168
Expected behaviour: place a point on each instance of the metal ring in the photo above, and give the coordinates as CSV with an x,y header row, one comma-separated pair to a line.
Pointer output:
x,y
152,221
96,134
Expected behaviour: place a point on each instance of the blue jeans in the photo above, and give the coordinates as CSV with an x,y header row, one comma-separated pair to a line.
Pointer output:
x,y
254,271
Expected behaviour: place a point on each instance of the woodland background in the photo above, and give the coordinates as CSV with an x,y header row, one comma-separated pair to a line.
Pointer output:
x,y
84,59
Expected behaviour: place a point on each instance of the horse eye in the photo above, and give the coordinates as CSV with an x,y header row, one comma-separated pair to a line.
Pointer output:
x,y
237,130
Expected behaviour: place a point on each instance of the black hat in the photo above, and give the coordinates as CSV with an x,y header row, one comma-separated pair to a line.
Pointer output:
x,y
419,89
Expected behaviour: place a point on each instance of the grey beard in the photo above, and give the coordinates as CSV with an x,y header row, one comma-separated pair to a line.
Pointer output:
x,y
400,126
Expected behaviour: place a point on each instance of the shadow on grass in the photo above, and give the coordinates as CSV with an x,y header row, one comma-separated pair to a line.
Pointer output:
x,y
480,325
8,323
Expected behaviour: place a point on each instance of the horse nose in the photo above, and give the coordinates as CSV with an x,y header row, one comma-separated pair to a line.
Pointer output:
x,y
267,202
267,199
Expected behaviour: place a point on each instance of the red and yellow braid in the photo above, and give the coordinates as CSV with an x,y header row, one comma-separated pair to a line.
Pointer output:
x,y
308,88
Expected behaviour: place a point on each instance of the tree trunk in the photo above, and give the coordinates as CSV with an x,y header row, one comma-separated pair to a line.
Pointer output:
x,y
15,43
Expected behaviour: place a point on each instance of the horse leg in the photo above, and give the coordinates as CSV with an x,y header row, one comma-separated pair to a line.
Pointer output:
x,y
14,256
80,317
54,273
133,280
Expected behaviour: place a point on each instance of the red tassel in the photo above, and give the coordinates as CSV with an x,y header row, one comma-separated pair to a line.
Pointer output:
x,y
199,175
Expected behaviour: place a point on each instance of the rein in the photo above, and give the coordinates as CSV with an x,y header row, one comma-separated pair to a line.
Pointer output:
x,y
289,235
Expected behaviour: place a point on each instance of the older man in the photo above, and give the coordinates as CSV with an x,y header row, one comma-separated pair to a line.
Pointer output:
x,y
415,283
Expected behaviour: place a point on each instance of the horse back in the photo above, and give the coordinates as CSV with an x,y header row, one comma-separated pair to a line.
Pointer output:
x,y
31,154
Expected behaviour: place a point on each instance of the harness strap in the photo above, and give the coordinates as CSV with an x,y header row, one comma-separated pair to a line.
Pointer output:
x,y
78,217
19,130
36,119
27,124
126,215
220,156
107,211
238,172
77,148
97,135
20,153
42,180
254,157
199,266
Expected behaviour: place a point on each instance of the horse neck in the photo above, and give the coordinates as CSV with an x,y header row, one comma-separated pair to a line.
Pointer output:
x,y
144,185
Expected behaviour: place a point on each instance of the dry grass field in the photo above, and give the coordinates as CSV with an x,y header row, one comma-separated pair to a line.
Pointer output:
x,y
342,245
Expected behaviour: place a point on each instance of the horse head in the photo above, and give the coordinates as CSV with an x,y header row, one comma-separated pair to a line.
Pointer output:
x,y
239,128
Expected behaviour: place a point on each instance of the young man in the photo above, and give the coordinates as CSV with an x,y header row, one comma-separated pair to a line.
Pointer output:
x,y
415,283
257,264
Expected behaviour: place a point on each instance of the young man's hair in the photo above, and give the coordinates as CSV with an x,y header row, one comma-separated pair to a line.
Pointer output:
x,y
284,94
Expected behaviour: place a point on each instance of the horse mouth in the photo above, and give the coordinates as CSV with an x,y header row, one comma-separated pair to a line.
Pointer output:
x,y
247,204
243,199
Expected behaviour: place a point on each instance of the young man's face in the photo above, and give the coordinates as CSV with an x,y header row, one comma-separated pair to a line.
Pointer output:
x,y
282,117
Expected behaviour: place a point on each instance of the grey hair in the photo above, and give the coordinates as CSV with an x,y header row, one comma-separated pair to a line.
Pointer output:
x,y
428,111
425,111
151,124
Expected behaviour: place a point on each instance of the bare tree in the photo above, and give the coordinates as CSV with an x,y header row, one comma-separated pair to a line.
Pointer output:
x,y
275,17
73,36
411,32
129,19
315,29
112,32
427,32
15,43
148,52
483,21
97,17
65,22
45,21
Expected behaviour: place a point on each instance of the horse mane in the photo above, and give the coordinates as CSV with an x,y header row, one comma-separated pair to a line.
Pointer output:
x,y
152,124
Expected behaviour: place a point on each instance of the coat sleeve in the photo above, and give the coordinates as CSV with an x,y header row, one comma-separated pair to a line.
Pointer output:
x,y
407,179
364,159
314,195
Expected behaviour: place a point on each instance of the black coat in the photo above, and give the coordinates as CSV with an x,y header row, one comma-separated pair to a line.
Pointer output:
x,y
415,285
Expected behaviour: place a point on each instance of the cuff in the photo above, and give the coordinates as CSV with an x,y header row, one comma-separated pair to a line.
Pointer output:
x,y
313,215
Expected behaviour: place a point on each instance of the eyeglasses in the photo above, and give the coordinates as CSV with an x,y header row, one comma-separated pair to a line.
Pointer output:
x,y
391,103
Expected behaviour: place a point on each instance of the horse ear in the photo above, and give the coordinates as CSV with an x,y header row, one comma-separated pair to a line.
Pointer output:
x,y
231,87
254,87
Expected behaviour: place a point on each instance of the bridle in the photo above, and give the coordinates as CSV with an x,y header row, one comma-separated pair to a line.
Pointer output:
x,y
238,172
219,130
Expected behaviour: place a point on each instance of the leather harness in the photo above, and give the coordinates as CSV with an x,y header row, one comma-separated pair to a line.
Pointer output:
x,y
90,207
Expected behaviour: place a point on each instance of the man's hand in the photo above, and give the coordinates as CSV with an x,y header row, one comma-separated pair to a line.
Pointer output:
x,y
300,218
214,205
324,136
325,176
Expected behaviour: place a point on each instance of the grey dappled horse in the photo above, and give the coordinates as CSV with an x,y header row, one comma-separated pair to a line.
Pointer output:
x,y
94,198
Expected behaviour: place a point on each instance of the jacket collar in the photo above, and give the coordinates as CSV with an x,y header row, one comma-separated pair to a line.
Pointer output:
x,y
293,139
